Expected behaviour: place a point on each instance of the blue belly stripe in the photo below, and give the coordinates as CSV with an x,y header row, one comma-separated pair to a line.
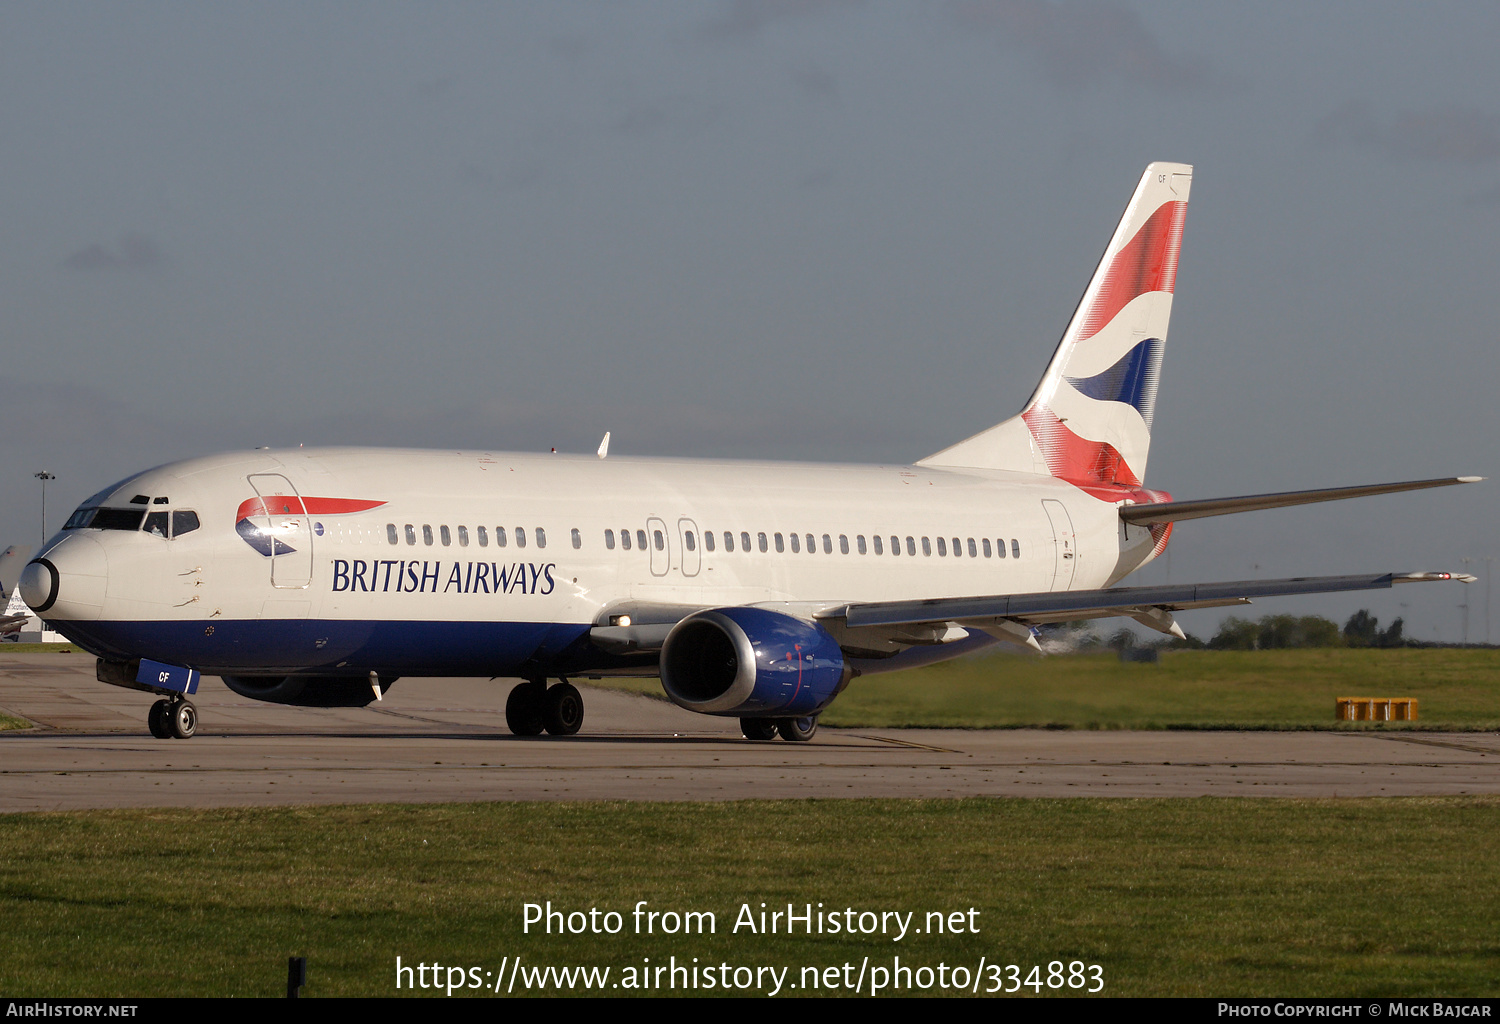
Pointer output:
x,y
270,646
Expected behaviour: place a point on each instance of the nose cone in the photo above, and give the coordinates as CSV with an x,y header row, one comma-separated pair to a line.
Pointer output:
x,y
67,582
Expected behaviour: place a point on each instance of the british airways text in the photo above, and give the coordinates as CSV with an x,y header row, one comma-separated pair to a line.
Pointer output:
x,y
414,577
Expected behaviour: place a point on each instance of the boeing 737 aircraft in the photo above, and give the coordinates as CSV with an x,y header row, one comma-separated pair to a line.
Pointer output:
x,y
755,590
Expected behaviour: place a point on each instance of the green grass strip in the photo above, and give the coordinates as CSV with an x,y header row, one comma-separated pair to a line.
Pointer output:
x,y
1171,897
1285,689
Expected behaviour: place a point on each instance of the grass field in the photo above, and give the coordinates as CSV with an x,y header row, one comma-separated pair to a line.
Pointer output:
x,y
1184,897
1286,689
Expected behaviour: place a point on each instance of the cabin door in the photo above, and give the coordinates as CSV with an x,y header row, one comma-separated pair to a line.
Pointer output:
x,y
1064,543
279,518
657,539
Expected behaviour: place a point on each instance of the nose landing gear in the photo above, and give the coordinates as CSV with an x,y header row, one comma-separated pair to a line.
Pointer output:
x,y
173,719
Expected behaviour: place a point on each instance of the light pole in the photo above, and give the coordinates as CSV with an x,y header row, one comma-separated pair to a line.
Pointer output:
x,y
44,476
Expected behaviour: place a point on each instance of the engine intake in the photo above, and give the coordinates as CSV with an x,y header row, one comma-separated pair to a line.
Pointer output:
x,y
751,662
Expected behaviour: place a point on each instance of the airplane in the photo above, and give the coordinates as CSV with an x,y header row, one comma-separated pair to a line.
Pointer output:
x,y
14,618
755,590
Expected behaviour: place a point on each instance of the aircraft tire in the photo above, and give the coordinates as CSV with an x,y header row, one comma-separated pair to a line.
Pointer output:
x,y
523,710
797,730
562,710
182,719
758,728
156,721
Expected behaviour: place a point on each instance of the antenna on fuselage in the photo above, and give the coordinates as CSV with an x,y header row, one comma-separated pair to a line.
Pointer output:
x,y
604,445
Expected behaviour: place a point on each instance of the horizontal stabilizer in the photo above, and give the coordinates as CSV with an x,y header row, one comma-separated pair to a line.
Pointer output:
x,y
1175,511
1079,604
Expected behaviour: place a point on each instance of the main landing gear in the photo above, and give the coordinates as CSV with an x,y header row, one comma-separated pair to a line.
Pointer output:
x,y
534,707
173,719
795,730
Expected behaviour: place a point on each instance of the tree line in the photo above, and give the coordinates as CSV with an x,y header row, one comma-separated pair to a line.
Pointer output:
x,y
1276,632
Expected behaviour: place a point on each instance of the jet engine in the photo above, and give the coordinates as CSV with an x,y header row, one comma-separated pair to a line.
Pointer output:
x,y
751,662
309,691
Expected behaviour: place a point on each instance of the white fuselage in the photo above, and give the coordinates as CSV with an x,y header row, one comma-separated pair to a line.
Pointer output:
x,y
456,546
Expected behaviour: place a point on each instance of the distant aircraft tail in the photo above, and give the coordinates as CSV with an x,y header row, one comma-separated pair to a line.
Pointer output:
x,y
1089,420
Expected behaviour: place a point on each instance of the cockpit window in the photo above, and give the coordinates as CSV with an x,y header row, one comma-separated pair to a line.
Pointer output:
x,y
156,524
186,521
80,518
118,518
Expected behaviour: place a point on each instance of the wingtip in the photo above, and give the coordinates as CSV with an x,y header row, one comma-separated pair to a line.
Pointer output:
x,y
1470,479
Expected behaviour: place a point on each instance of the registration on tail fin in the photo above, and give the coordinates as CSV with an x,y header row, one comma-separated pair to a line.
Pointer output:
x,y
1089,420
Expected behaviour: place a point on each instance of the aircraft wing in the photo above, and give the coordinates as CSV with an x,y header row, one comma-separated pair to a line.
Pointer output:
x,y
1153,513
1006,615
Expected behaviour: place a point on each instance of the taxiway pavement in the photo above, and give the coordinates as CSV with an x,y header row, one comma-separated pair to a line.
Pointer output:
x,y
441,740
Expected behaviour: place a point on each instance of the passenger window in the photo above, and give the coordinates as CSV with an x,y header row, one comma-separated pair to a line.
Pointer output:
x,y
796,544
463,536
484,536
1015,548
447,536
812,544
780,544
926,547
1000,547
541,537
827,544
411,534
609,539
957,548
520,532
501,538
625,539
661,542
986,543
156,524
942,546
745,541
577,538
426,534
761,538
708,540
973,551
879,550
860,543
728,541
186,521
843,544
640,539
688,541
391,534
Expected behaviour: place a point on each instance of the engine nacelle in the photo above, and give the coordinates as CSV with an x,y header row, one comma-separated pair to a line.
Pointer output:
x,y
750,662
308,691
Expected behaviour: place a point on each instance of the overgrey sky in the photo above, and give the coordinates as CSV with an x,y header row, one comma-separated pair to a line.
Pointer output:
x,y
806,229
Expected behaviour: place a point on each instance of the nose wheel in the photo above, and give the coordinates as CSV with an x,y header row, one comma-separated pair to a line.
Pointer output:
x,y
173,719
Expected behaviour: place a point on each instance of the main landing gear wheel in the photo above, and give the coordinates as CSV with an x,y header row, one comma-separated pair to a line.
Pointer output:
x,y
524,707
797,730
156,720
562,710
182,719
758,728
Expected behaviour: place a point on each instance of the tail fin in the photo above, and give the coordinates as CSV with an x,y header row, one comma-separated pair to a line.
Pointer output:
x,y
1089,420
